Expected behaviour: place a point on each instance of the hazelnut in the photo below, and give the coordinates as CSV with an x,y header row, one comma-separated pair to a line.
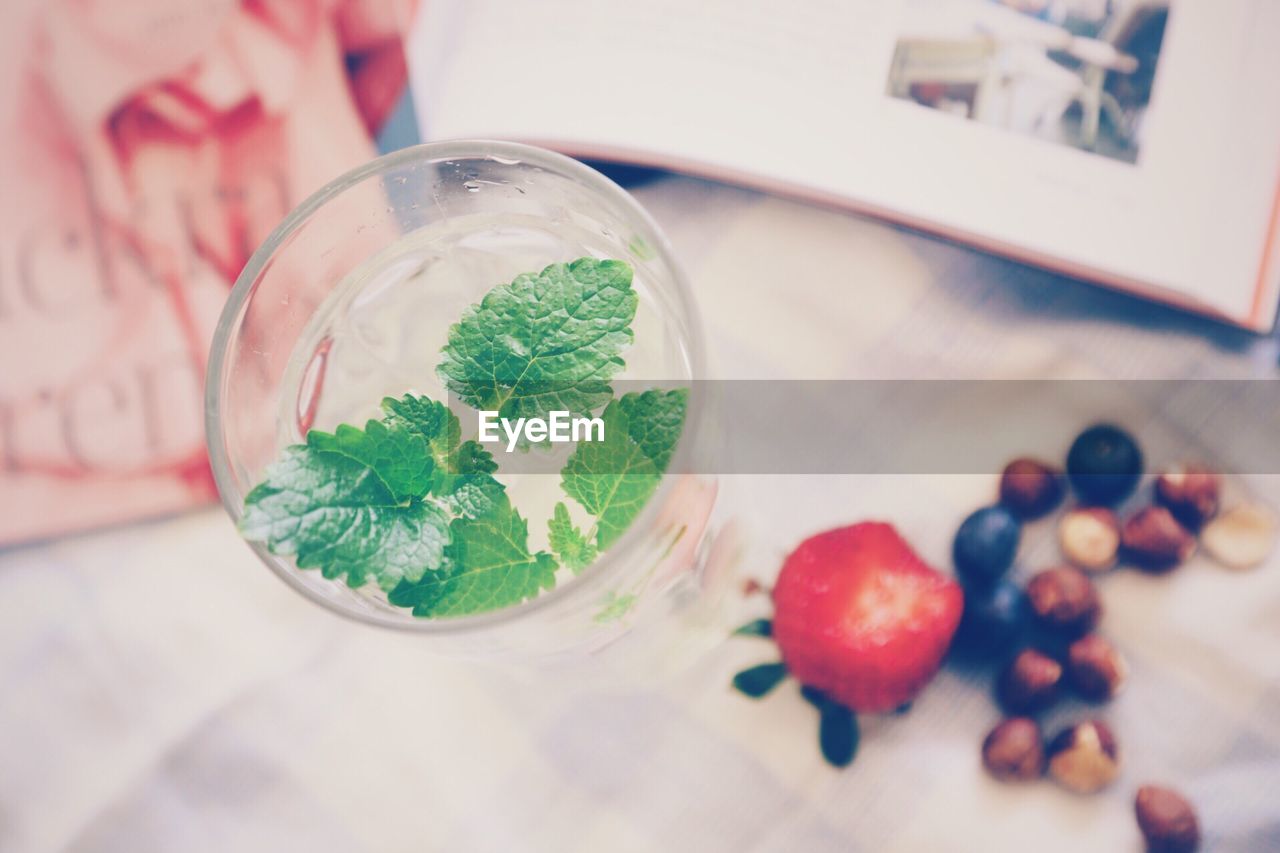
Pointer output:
x,y
1190,492
1029,683
1241,537
1153,539
1014,750
1084,757
1167,820
1090,538
1095,669
1064,600
1029,488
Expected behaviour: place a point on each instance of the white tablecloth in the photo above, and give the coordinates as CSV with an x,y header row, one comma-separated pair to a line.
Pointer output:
x,y
164,692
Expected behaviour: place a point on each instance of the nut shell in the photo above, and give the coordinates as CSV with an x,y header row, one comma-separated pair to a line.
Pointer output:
x,y
1168,822
1029,683
1090,538
1030,488
1153,540
1241,537
1191,492
1085,757
1014,750
1065,601
1095,669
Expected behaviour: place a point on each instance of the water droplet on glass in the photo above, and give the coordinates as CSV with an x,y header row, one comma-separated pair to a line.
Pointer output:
x,y
506,161
471,186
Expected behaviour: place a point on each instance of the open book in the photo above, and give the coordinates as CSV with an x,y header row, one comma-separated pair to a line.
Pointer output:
x,y
1131,142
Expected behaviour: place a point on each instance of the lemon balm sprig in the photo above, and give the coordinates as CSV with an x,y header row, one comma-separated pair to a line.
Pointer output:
x,y
404,503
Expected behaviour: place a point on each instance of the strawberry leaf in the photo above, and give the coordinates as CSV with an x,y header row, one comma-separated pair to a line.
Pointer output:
x,y
756,628
837,734
757,681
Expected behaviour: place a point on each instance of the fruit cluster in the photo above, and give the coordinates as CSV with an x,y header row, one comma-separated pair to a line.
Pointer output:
x,y
1044,632
863,623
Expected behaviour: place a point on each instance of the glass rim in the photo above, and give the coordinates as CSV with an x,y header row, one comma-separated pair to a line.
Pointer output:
x,y
238,298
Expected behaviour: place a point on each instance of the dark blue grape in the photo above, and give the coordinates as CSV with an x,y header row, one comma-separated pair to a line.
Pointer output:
x,y
986,544
995,620
1104,465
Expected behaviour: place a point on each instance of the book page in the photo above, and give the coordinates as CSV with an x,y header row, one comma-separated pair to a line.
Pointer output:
x,y
1123,141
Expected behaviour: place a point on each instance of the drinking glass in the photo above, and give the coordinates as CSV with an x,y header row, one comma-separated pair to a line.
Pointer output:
x,y
311,338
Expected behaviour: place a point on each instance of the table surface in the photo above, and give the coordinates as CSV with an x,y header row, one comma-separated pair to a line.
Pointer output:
x,y
163,691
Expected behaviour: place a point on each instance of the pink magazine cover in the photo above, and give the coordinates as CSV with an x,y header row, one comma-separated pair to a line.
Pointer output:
x,y
149,147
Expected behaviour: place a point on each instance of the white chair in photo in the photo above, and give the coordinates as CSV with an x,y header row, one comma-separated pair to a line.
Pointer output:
x,y
1099,57
949,64
1127,19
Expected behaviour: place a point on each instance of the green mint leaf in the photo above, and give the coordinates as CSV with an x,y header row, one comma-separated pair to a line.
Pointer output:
x,y
394,454
655,420
435,424
546,341
406,503
614,478
472,458
461,470
570,546
466,480
615,607
335,513
759,680
471,495
487,566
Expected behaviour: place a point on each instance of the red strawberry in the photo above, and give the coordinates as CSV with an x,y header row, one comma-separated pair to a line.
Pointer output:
x,y
859,616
